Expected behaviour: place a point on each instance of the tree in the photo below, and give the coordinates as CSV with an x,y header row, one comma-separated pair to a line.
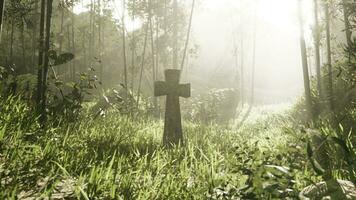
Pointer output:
x,y
153,57
347,23
142,62
133,46
317,46
252,95
40,59
2,8
124,43
99,38
188,36
45,34
175,34
34,37
303,49
328,55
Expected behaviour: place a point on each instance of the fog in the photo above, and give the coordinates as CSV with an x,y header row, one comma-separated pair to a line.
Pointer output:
x,y
219,27
223,32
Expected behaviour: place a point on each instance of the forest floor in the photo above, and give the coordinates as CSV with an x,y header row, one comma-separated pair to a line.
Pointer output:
x,y
117,157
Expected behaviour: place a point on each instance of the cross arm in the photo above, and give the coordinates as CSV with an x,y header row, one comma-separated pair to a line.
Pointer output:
x,y
184,90
160,88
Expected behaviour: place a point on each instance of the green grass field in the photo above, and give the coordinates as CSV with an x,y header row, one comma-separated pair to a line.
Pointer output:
x,y
118,157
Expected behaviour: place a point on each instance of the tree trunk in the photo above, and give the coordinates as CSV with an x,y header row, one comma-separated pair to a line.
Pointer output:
x,y
40,58
61,28
91,22
157,48
252,99
153,54
175,34
347,23
188,36
2,8
165,28
99,42
133,47
46,57
69,48
34,39
12,41
23,46
328,49
73,45
142,65
93,30
124,44
242,73
305,64
62,70
317,47
85,53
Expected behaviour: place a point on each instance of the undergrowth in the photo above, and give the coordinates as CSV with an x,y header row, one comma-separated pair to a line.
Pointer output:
x,y
119,157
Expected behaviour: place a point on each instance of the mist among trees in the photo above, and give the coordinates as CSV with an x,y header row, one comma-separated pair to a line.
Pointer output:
x,y
177,99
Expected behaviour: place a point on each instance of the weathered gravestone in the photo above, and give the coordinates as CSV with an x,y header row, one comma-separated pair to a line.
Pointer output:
x,y
171,88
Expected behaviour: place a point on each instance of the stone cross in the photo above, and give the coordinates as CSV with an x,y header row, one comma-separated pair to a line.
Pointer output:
x,y
173,90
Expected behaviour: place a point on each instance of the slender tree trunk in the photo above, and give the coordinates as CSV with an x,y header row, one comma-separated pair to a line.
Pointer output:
x,y
2,8
252,99
74,63
34,39
142,65
157,47
85,54
124,43
157,64
69,47
175,34
188,36
61,37
236,59
103,45
40,57
305,64
46,57
90,50
94,30
317,47
99,41
12,40
133,47
153,54
328,49
23,46
165,27
242,70
61,28
347,23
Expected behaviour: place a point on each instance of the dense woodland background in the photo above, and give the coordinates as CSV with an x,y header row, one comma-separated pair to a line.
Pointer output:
x,y
78,118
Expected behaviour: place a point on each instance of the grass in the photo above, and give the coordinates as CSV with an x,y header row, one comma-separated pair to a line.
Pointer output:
x,y
118,157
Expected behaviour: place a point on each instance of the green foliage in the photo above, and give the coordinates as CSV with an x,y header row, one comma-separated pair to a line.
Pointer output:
x,y
121,157
340,151
217,106
66,99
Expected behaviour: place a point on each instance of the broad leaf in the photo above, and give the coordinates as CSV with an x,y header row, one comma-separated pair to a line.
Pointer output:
x,y
63,58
